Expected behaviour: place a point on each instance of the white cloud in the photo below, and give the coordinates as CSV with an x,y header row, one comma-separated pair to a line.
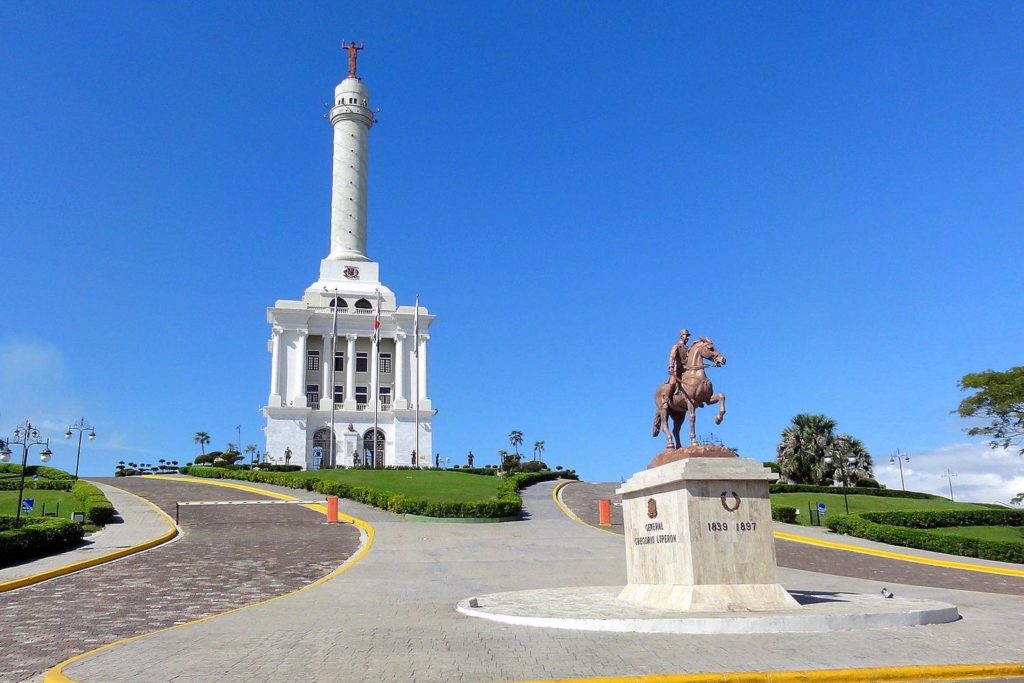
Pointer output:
x,y
982,474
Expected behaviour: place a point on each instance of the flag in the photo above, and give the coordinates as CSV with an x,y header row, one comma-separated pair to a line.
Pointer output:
x,y
376,321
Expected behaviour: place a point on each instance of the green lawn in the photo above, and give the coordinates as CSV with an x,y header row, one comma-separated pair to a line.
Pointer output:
x,y
834,503
68,503
433,485
1010,534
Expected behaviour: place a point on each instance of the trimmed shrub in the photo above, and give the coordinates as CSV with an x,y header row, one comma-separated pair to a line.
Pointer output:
x,y
97,508
868,483
37,484
784,513
852,490
43,471
36,537
904,528
506,503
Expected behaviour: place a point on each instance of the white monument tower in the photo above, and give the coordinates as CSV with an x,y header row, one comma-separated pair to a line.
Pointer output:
x,y
348,377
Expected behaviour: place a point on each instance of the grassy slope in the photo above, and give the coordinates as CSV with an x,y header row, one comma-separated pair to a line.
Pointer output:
x,y
429,484
68,503
834,503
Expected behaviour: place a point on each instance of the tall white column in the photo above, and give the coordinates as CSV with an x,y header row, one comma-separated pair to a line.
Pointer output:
x,y
299,397
275,367
327,368
350,372
374,375
400,362
424,396
351,118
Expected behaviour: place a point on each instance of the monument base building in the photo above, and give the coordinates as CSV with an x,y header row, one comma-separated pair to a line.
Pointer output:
x,y
348,377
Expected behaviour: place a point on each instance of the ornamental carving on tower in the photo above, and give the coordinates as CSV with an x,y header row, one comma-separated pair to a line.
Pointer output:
x,y
351,272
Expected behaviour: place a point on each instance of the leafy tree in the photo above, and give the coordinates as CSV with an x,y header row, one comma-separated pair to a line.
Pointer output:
x,y
515,438
1018,499
808,441
202,438
1000,401
231,457
538,448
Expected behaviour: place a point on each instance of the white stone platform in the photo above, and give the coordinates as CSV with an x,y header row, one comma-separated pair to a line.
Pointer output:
x,y
599,609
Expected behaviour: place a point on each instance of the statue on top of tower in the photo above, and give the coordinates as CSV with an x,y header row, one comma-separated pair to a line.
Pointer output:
x,y
353,49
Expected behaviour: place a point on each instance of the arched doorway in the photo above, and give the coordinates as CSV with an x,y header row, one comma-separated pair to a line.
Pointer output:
x,y
373,457
322,441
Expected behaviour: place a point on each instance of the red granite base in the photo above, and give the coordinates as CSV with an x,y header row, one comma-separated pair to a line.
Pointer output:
x,y
703,451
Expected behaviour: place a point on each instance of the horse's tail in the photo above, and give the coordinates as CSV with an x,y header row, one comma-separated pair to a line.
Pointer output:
x,y
657,424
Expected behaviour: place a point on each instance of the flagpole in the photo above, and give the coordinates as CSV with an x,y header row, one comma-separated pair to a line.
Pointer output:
x,y
334,354
376,376
416,396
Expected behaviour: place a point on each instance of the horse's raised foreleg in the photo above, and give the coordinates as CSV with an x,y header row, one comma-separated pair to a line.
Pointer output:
x,y
720,400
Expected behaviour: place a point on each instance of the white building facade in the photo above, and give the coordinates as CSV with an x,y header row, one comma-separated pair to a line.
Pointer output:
x,y
332,379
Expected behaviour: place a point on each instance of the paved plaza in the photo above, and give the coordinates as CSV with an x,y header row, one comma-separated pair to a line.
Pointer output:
x,y
227,556
391,617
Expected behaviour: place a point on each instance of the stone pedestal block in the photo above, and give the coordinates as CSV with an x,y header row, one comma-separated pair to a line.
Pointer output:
x,y
699,536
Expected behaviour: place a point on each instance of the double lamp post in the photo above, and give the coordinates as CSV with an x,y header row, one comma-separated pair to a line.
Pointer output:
x,y
25,436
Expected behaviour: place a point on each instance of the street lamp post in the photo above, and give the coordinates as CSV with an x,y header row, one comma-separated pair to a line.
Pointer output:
x,y
25,436
851,461
949,475
80,427
898,459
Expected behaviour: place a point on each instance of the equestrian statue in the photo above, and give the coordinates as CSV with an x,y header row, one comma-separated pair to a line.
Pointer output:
x,y
687,387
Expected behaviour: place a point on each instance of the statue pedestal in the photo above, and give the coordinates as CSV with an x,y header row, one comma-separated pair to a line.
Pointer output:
x,y
699,535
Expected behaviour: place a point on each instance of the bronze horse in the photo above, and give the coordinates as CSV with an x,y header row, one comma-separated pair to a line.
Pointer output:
x,y
696,392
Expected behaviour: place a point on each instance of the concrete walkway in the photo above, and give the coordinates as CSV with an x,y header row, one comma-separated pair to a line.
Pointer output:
x,y
136,523
391,617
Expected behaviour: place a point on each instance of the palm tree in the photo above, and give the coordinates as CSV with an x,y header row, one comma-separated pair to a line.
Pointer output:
x,y
804,445
202,438
538,448
232,448
850,451
251,450
515,438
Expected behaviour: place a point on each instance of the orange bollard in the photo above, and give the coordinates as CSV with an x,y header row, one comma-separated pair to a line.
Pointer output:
x,y
332,509
604,512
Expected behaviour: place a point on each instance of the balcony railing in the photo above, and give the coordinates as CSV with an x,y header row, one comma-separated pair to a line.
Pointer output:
x,y
342,311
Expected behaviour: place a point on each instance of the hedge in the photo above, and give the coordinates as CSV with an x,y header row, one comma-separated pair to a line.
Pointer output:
x,y
853,490
784,513
43,471
97,508
904,528
37,484
506,504
36,537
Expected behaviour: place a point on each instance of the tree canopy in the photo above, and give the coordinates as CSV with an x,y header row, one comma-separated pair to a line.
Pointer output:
x,y
808,441
999,400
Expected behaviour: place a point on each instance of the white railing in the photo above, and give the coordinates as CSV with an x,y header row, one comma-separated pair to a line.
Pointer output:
x,y
362,406
341,311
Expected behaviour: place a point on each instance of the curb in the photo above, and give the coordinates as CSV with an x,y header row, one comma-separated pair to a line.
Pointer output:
x,y
170,534
367,533
952,672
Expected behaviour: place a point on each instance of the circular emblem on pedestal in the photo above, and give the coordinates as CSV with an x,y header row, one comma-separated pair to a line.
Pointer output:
x,y
652,508
735,501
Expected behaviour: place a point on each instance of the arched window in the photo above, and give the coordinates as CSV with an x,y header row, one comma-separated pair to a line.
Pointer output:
x,y
363,306
373,457
322,440
339,303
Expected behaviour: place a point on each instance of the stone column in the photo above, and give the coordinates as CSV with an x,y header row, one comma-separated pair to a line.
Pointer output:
x,y
350,372
424,395
327,373
299,400
399,397
374,374
275,368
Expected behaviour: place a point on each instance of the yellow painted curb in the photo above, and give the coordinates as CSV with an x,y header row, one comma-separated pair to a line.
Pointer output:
x,y
556,495
56,674
903,557
172,531
953,672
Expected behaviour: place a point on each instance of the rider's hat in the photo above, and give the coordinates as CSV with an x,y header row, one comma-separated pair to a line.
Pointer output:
x,y
684,331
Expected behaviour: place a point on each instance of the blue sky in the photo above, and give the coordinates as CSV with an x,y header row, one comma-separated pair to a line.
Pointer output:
x,y
832,192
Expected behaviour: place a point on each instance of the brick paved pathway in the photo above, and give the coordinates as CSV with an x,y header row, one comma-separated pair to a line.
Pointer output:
x,y
391,617
582,499
228,556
